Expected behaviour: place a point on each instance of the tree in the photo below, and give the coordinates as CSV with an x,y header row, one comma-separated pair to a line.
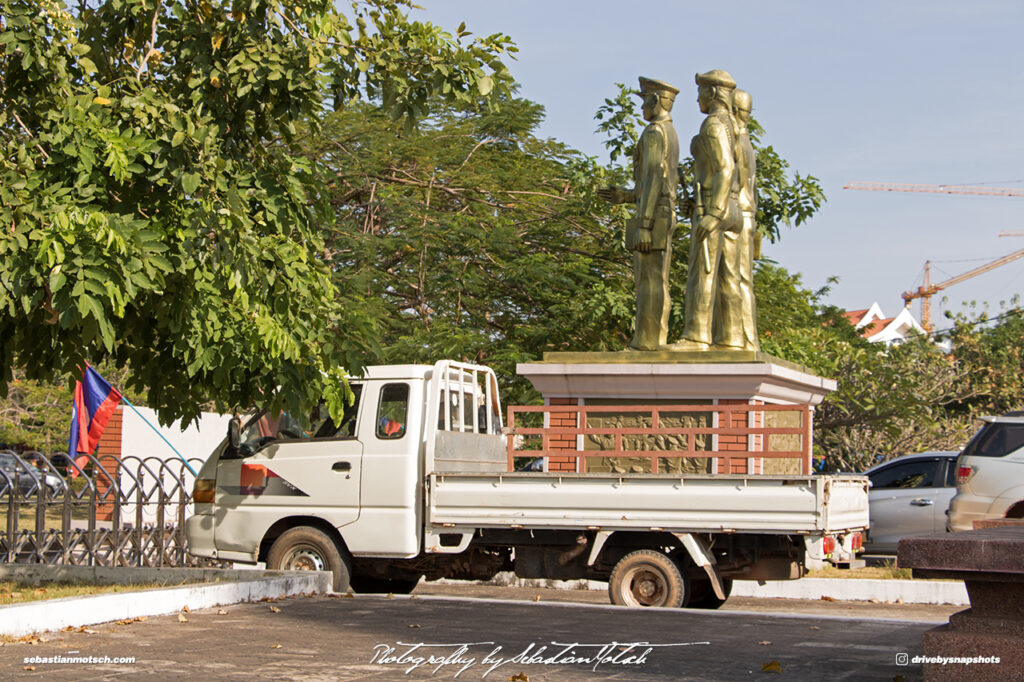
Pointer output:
x,y
150,214
466,237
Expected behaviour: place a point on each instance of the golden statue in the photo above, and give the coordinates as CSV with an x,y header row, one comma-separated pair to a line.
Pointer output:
x,y
747,246
714,299
649,234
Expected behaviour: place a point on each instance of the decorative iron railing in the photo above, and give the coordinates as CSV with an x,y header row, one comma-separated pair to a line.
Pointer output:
x,y
730,434
127,511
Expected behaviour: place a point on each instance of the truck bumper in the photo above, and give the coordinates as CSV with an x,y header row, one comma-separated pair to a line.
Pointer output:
x,y
199,534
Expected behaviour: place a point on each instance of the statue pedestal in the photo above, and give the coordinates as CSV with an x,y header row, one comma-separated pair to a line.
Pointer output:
x,y
714,378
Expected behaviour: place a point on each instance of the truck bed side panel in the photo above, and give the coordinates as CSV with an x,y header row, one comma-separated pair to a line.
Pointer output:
x,y
768,504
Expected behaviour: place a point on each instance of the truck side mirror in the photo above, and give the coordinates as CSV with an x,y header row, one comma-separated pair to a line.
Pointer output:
x,y
235,432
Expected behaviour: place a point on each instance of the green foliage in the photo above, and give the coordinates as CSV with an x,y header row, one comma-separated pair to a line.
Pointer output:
x,y
150,215
470,238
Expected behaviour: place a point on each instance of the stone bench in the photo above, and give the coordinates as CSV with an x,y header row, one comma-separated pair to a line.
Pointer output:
x,y
990,561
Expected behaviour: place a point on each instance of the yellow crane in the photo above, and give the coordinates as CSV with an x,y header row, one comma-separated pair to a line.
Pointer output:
x,y
927,289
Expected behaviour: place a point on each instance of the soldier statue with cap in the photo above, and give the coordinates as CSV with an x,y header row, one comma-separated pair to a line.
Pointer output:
x,y
713,298
649,234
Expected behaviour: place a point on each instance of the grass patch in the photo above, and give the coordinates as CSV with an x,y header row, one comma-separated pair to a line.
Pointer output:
x,y
887,571
12,592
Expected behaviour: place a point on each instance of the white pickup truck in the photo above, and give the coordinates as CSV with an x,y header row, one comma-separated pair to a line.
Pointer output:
x,y
415,483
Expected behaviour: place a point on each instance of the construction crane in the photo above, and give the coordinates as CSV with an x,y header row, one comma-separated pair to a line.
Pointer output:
x,y
936,189
927,289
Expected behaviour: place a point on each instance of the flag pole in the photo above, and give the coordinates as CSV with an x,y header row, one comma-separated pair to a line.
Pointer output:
x,y
157,431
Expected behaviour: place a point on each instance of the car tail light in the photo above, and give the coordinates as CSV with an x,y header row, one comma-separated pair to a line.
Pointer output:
x,y
828,545
963,473
203,491
856,541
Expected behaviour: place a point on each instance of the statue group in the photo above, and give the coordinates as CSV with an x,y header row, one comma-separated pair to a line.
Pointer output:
x,y
719,304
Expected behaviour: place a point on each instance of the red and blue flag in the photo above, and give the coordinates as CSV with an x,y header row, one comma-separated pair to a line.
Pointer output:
x,y
94,403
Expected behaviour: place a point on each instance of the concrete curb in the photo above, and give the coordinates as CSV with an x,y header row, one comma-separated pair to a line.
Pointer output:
x,y
841,589
231,587
858,589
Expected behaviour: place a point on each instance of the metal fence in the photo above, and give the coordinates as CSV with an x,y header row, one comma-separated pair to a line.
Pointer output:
x,y
112,511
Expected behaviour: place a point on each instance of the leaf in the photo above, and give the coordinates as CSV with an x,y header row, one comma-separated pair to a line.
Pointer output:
x,y
485,85
771,667
182,618
177,139
102,101
190,182
275,609
89,67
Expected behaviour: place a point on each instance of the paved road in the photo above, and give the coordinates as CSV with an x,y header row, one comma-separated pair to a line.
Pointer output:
x,y
371,638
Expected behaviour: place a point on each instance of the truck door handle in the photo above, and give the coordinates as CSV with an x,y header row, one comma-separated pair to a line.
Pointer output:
x,y
921,502
342,466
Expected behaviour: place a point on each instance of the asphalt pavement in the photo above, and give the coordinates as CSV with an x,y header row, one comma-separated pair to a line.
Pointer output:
x,y
449,632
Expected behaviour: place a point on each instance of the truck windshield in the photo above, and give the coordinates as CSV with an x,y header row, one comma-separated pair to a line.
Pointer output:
x,y
996,439
266,428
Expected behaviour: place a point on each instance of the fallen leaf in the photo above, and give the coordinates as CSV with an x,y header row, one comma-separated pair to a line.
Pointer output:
x,y
771,667
826,598
536,597
86,630
519,677
182,618
221,612
815,627
275,609
186,609
29,667
874,601
347,595
413,625
391,595
275,646
141,619
67,629
764,643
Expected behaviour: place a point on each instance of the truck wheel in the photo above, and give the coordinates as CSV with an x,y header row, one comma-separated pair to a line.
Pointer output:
x,y
647,578
310,549
702,595
365,585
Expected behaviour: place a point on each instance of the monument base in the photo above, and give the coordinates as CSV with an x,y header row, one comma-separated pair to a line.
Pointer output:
x,y
676,375
718,379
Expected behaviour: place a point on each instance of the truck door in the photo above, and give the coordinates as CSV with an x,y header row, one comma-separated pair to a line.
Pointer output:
x,y
287,469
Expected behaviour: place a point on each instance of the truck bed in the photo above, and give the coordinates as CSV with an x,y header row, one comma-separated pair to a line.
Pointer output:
x,y
681,503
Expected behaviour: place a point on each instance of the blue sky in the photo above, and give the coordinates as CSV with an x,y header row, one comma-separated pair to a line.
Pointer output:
x,y
915,91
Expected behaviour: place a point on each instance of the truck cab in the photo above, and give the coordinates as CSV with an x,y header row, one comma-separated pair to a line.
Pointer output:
x,y
358,482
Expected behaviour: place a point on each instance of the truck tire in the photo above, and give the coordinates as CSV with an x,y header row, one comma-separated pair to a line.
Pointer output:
x,y
365,585
702,595
305,548
647,578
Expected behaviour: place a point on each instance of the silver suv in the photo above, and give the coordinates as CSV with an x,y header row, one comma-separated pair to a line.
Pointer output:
x,y
990,474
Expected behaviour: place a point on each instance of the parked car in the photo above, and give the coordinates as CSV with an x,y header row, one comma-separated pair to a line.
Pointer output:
x,y
30,478
909,496
990,474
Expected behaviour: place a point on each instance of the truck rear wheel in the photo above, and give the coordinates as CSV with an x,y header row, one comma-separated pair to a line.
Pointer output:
x,y
310,549
647,578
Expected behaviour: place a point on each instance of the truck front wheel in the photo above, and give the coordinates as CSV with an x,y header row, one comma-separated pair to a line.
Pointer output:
x,y
309,549
647,578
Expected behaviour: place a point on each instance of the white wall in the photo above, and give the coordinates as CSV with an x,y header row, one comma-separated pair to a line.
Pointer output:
x,y
140,442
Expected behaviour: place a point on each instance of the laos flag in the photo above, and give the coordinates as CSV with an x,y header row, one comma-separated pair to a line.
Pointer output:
x,y
93,404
